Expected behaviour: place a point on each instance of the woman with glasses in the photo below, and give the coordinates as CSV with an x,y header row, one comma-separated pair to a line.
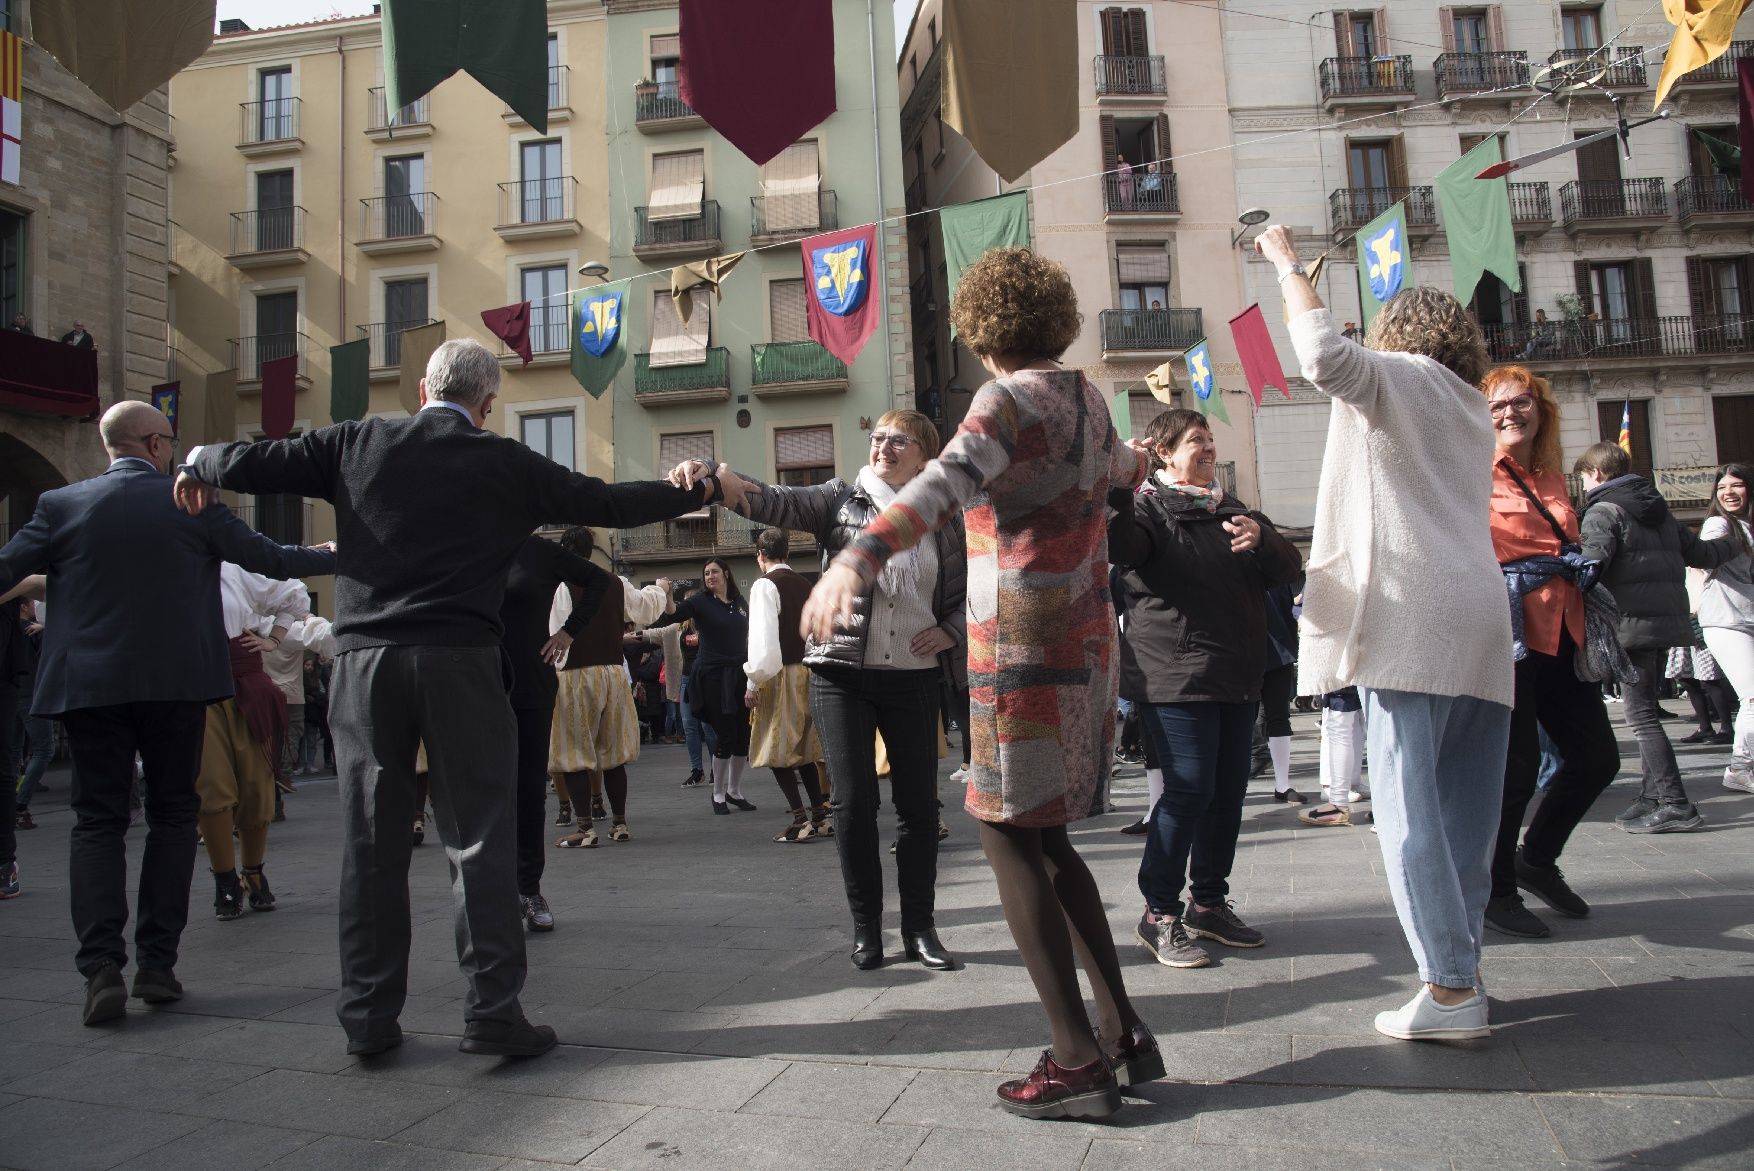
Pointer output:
x,y
1532,517
882,673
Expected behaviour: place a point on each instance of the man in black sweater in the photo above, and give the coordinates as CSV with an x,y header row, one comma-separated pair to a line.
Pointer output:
x,y
430,513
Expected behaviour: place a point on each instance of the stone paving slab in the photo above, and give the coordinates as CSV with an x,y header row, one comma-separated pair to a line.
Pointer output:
x,y
709,1017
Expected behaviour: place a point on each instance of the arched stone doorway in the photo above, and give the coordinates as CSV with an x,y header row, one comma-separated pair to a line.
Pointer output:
x,y
25,474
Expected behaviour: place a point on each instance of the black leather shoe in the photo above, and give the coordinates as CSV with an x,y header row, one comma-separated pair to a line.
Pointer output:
x,y
498,1039
157,986
925,947
372,1046
867,948
745,806
106,997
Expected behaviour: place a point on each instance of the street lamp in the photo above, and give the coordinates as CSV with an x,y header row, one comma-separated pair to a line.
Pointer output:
x,y
596,270
1248,219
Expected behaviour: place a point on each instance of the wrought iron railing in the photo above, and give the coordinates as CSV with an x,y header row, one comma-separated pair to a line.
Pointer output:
x,y
287,519
1624,68
1620,337
1530,202
557,88
538,201
777,362
1469,73
1130,75
926,96
1143,192
779,215
699,229
1151,329
660,104
1353,207
711,374
1709,195
397,217
275,120
386,340
248,353
690,536
1721,71
1606,199
548,327
378,116
267,229
1366,77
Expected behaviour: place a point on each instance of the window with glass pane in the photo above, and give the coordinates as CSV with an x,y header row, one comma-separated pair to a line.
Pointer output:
x,y
540,187
274,211
6,17
1469,26
12,227
281,518
1581,28
404,189
550,434
274,114
804,455
405,306
1361,27
666,63
276,330
1143,276
554,95
545,289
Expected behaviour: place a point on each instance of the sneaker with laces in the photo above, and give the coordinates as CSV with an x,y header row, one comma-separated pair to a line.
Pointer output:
x,y
537,916
23,819
1166,938
1739,776
1424,1019
1507,915
1221,925
9,888
1548,884
1639,807
1667,819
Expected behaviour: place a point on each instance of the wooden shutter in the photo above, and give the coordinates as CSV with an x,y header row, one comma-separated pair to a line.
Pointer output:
x,y
787,318
1580,270
674,341
1446,28
1599,161
1644,288
667,48
1495,28
678,186
1114,32
1397,162
1111,151
790,183
1138,44
684,446
1381,21
1519,302
1732,417
1343,33
1162,144
1701,297
1142,265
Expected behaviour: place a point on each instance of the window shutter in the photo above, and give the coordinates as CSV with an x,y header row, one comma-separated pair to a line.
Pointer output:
x,y
1699,291
787,316
1519,302
1382,32
1163,150
1111,151
679,448
1580,271
789,185
678,185
1495,28
1142,266
803,447
1644,288
1343,34
675,342
1137,42
1114,32
1446,27
667,48
1398,163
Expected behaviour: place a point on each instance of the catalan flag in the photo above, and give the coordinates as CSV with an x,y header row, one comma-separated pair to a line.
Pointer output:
x,y
11,106
1625,440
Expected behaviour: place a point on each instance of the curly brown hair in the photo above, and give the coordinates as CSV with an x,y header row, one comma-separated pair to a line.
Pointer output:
x,y
1014,302
1547,441
1428,321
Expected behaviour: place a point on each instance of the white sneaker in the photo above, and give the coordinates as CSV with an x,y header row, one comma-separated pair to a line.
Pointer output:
x,y
1423,1019
1739,776
960,775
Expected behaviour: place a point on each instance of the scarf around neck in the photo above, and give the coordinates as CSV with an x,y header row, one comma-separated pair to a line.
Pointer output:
x,y
1207,496
901,573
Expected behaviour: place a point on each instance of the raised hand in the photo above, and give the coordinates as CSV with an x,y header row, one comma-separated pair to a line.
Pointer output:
x,y
830,603
191,495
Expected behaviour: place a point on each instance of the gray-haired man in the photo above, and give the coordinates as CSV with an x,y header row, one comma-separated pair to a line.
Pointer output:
x,y
430,512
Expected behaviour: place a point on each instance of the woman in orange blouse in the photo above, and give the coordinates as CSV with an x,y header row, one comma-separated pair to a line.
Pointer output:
x,y
1526,468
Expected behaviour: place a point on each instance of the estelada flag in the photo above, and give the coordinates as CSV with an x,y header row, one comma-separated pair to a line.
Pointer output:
x,y
1260,361
1625,438
843,292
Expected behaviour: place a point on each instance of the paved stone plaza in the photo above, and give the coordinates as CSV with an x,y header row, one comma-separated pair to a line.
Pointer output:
x,y
710,1019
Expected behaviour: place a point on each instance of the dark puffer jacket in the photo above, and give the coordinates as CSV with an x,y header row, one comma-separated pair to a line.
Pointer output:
x,y
836,512
1196,612
1644,553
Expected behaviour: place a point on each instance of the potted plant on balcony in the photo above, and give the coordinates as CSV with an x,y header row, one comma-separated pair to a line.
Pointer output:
x,y
645,87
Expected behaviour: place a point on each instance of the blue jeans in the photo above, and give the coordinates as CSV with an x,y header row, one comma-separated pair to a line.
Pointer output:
x,y
1437,786
1204,748
693,731
39,739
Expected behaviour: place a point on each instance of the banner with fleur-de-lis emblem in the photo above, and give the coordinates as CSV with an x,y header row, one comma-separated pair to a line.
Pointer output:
x,y
843,292
1385,261
599,335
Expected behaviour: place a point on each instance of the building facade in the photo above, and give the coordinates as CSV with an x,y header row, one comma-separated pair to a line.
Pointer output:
x,y
740,381
1635,272
1139,206
308,214
82,239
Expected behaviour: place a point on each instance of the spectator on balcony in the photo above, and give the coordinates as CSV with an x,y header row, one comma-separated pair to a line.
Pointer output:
x,y
1542,342
1156,305
21,324
1726,612
78,338
1124,184
1350,333
1151,186
882,675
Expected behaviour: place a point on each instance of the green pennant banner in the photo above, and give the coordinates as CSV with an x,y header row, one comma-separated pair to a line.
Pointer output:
x,y
1476,221
1385,260
504,46
599,335
970,229
349,380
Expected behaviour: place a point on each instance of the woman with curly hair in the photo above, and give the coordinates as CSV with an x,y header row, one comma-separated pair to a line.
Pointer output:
x,y
1404,601
1726,612
1036,455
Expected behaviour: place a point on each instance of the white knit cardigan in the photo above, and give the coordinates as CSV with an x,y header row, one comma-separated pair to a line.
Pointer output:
x,y
1404,591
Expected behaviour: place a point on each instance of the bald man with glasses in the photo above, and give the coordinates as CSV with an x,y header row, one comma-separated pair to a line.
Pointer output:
x,y
135,654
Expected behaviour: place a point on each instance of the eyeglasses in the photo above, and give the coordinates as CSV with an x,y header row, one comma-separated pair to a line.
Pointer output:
x,y
894,442
1522,404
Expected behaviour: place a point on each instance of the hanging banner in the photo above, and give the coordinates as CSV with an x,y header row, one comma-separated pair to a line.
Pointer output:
x,y
122,49
1385,262
511,325
221,419
1204,382
971,229
1703,31
842,291
760,72
503,45
279,393
417,346
1011,78
1120,409
696,273
1476,221
349,380
599,335
1260,360
167,400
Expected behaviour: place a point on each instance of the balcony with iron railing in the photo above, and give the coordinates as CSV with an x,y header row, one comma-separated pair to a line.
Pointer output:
x,y
1141,194
704,381
688,235
1718,74
774,219
1465,75
286,519
1350,208
538,207
1150,331
926,96
1712,199
1581,340
696,537
268,236
248,354
173,266
1608,205
269,127
1531,207
658,107
559,99
915,193
783,368
550,344
1622,69
411,121
1131,77
386,341
1369,80
398,223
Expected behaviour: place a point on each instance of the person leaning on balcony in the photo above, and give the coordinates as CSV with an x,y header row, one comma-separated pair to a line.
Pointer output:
x,y
882,674
1401,543
1535,535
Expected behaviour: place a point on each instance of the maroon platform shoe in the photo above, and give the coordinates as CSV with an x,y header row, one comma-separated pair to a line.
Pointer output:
x,y
1053,1091
1135,1057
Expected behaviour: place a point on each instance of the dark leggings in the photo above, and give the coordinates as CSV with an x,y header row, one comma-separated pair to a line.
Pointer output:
x,y
1709,697
1277,687
614,787
788,779
1054,908
730,729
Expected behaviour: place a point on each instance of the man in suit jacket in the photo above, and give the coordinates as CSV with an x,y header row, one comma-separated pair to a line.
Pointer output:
x,y
430,512
78,338
135,654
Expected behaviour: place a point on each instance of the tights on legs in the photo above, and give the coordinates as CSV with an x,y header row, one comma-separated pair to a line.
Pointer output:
x,y
788,778
1051,901
615,787
216,836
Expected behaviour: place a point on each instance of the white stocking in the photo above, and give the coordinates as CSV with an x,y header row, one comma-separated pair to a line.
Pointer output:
x,y
735,784
1280,749
721,769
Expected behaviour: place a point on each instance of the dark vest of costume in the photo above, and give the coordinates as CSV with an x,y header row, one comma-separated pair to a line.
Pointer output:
x,y
794,589
599,645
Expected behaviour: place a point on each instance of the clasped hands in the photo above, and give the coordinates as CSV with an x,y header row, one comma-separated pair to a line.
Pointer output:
x,y
690,472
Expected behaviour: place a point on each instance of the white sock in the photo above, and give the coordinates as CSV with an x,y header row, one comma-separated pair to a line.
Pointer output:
x,y
721,769
735,784
1154,783
1279,747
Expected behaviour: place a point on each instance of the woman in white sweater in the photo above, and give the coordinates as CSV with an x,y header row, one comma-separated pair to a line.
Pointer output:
x,y
1404,600
1726,613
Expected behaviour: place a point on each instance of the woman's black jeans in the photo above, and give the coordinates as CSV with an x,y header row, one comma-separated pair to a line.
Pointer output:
x,y
850,706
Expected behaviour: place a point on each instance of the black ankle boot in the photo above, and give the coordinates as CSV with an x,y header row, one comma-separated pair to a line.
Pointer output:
x,y
867,947
925,947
